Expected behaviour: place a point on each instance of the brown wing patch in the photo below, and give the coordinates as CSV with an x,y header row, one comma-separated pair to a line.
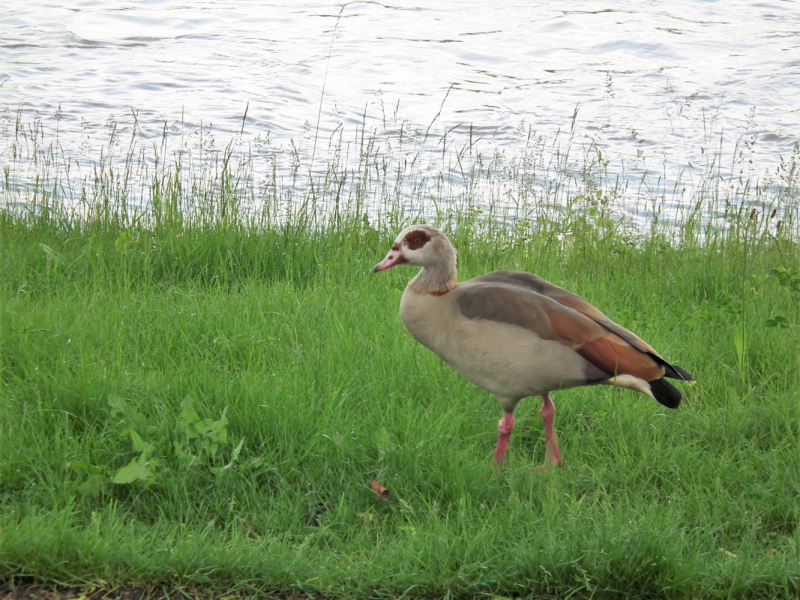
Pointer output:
x,y
628,336
620,358
416,239
562,296
573,328
553,321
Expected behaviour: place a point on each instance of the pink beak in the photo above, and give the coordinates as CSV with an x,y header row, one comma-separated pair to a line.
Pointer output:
x,y
395,257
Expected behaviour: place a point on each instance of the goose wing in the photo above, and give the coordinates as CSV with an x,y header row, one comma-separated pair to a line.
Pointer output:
x,y
522,306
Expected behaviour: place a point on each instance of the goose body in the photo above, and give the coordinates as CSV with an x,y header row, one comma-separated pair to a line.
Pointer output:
x,y
493,355
516,335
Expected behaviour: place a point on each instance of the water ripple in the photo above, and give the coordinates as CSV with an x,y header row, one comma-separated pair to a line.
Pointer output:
x,y
690,71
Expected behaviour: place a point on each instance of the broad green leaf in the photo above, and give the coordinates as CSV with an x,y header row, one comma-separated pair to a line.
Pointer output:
x,y
382,441
82,467
139,444
222,436
778,321
117,404
235,453
188,416
179,451
133,471
94,486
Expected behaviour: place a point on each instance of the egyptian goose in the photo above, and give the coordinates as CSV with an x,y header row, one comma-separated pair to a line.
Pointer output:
x,y
516,335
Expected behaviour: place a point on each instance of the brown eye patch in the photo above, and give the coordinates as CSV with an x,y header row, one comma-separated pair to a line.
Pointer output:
x,y
416,239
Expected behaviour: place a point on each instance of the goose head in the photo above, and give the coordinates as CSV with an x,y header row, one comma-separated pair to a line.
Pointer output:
x,y
421,246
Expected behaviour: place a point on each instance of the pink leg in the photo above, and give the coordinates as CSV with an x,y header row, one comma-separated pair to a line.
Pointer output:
x,y
548,411
504,428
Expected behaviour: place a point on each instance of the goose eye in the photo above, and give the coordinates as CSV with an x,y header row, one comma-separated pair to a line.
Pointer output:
x,y
417,240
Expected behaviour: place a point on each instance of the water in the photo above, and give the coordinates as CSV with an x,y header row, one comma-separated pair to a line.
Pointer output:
x,y
657,87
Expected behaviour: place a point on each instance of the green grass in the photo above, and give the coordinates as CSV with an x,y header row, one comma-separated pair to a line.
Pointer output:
x,y
199,399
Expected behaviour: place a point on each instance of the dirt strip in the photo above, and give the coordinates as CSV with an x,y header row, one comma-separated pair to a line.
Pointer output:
x,y
36,592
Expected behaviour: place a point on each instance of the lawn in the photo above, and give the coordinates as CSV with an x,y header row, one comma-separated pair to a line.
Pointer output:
x,y
201,403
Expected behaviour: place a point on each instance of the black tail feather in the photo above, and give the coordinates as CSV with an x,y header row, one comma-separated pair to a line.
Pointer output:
x,y
676,372
666,393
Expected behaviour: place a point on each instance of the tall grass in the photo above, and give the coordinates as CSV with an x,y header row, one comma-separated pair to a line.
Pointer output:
x,y
200,376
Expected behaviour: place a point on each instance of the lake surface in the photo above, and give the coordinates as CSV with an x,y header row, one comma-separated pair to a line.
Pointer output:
x,y
656,86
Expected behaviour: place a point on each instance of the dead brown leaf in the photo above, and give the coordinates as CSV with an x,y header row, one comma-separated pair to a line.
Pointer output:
x,y
381,492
